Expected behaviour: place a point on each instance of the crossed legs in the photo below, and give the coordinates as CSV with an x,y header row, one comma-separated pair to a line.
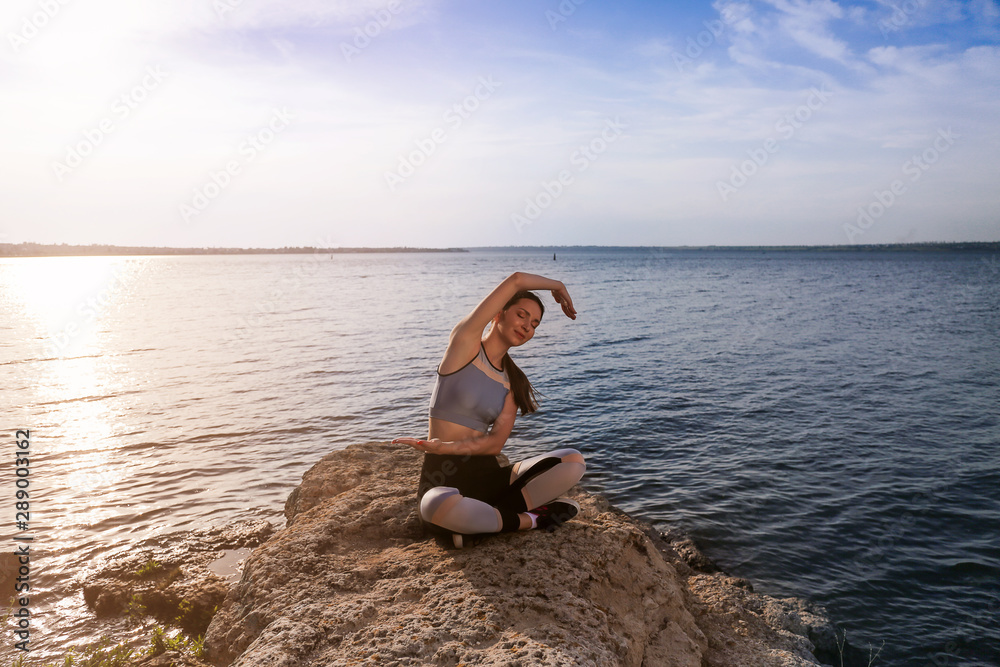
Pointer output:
x,y
532,483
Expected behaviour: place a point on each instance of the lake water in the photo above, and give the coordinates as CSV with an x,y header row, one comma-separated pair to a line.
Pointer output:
x,y
823,423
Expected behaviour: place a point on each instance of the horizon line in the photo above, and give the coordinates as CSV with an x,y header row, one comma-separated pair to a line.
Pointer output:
x,y
31,249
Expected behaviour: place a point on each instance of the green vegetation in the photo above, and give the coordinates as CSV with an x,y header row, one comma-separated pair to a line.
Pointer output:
x,y
103,653
161,643
106,653
136,610
150,568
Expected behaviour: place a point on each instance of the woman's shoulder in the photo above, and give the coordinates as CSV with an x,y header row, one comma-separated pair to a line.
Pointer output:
x,y
457,357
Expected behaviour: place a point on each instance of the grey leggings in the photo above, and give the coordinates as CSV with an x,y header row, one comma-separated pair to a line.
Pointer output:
x,y
484,497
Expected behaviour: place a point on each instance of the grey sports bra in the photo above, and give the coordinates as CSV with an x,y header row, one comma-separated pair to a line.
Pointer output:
x,y
473,395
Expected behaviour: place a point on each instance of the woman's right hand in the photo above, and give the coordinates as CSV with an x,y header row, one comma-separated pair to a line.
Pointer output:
x,y
428,446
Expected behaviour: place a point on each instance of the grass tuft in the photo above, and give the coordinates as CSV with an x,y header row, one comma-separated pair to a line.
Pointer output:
x,y
106,653
149,569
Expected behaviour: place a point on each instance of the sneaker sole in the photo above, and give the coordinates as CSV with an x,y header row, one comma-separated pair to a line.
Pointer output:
x,y
557,520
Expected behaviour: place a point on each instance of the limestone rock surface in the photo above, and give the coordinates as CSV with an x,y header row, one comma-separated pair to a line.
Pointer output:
x,y
169,577
353,579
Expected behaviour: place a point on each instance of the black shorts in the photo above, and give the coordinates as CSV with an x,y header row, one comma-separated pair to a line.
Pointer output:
x,y
479,477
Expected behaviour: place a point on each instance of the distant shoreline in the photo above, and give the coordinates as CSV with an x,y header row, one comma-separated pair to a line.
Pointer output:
x,y
949,246
64,250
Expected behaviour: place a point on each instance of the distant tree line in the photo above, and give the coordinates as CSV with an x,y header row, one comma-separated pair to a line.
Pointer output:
x,y
64,250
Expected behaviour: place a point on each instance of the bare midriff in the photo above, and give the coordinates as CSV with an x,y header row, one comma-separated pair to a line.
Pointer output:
x,y
449,431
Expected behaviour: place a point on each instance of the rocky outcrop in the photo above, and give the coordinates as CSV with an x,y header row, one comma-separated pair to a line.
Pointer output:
x,y
170,577
353,579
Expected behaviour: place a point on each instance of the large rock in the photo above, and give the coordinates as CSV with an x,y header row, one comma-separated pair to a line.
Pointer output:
x,y
353,579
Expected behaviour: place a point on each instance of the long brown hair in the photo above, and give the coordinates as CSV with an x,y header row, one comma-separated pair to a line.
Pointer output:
x,y
520,386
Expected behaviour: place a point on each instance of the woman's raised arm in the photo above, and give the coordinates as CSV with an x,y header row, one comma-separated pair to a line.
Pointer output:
x,y
466,334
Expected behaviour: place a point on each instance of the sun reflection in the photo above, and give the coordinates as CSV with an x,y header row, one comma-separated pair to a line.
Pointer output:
x,y
65,297
67,305
79,392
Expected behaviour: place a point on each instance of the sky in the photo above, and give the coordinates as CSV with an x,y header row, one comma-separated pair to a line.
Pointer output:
x,y
437,123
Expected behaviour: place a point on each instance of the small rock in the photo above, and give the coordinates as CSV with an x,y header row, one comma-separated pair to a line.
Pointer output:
x,y
169,577
689,551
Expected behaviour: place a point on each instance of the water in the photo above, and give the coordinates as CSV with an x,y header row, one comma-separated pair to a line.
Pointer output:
x,y
824,424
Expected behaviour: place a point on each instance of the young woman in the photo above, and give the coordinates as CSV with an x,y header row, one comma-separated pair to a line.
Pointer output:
x,y
463,489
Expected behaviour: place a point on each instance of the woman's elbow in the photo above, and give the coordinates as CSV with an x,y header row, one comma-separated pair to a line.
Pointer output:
x,y
493,446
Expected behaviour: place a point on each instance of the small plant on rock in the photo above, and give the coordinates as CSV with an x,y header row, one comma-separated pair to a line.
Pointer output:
x,y
150,568
136,610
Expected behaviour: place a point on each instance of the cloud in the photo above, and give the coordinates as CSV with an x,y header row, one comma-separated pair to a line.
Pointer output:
x,y
333,15
901,16
985,11
805,22
764,36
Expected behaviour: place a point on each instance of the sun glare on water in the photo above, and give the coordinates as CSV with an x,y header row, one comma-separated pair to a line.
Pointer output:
x,y
65,298
62,311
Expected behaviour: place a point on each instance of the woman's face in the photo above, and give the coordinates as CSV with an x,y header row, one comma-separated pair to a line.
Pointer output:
x,y
517,324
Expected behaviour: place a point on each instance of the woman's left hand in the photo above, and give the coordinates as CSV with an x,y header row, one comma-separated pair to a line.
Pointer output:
x,y
561,296
429,446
